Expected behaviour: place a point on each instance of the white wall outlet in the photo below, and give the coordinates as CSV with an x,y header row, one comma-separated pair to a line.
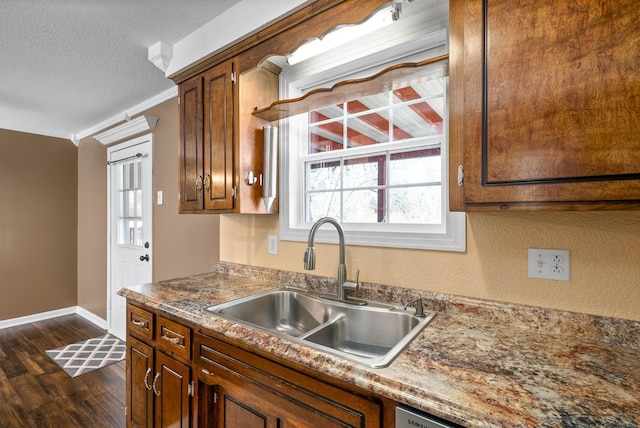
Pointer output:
x,y
273,244
549,264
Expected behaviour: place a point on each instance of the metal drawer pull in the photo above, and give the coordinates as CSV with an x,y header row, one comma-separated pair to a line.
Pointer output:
x,y
146,376
155,379
173,340
207,372
138,323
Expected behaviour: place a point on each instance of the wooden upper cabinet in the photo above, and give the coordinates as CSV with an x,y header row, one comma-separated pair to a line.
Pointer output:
x,y
206,141
191,146
221,141
218,137
545,104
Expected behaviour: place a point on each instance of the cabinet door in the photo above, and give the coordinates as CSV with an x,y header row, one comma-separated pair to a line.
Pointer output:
x,y
191,179
218,137
261,393
242,402
545,101
139,378
171,387
235,413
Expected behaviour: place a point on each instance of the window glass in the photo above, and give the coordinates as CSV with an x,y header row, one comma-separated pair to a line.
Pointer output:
x,y
398,177
129,179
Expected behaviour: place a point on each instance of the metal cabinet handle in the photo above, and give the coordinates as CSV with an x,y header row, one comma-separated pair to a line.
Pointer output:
x,y
146,376
199,183
173,340
207,182
144,258
207,372
138,324
155,379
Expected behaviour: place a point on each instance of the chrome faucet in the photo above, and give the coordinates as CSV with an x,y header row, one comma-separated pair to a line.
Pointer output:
x,y
310,258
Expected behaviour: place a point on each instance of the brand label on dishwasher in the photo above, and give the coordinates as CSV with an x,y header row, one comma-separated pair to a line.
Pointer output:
x,y
409,418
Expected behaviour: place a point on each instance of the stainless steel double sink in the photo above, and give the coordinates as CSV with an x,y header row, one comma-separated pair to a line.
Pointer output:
x,y
372,335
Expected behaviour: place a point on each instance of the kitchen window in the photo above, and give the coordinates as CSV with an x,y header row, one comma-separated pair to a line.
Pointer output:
x,y
377,159
376,162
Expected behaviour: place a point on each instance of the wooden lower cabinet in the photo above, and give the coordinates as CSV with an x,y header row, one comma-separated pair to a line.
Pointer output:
x,y
139,374
239,389
159,386
183,379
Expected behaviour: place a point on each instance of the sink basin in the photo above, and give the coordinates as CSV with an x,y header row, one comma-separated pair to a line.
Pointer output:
x,y
284,311
365,333
372,335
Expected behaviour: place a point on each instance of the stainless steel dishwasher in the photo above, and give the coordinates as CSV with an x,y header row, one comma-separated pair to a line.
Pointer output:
x,y
407,417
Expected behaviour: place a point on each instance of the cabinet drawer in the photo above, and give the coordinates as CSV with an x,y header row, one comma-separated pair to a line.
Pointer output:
x,y
140,322
173,337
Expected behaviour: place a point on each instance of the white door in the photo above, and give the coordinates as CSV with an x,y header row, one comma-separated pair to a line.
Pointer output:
x,y
130,224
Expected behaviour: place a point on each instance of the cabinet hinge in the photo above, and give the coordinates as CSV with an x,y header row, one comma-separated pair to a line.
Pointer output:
x,y
233,77
190,387
233,192
126,409
460,175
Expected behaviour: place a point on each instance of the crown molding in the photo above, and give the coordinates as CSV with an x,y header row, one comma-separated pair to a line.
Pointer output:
x,y
127,129
160,55
139,108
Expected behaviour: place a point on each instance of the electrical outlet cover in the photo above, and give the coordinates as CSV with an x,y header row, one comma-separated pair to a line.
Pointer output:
x,y
273,244
549,264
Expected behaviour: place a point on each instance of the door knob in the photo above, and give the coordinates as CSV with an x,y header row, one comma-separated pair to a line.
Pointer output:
x,y
144,258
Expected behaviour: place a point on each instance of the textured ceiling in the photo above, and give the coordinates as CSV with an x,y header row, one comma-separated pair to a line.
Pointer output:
x,y
67,65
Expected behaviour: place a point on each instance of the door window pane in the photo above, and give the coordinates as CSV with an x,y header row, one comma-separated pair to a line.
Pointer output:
x,y
129,200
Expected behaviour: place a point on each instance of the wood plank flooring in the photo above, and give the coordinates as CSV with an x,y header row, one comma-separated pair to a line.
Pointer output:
x,y
36,392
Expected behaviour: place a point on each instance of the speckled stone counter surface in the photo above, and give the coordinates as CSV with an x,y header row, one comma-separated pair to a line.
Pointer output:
x,y
477,363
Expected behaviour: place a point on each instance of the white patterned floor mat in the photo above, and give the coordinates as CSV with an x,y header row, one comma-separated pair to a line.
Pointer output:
x,y
83,357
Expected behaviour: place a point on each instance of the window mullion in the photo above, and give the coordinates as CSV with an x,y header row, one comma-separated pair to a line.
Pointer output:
x,y
345,136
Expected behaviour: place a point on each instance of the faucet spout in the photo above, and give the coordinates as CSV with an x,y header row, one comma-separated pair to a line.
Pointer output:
x,y
310,253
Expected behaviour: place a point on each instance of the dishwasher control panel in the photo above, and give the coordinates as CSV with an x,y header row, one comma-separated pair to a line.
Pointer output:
x,y
411,418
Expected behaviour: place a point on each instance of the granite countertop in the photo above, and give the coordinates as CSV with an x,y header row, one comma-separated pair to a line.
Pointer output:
x,y
477,363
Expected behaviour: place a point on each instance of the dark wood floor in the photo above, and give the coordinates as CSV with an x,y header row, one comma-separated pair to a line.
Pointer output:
x,y
36,392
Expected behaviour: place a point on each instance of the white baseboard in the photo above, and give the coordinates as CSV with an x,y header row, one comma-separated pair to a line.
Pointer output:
x,y
89,316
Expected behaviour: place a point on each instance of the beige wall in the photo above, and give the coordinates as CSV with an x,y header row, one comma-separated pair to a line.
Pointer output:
x,y
605,272
38,217
39,269
183,244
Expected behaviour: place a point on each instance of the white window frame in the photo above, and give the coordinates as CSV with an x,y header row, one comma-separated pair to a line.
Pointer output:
x,y
450,235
